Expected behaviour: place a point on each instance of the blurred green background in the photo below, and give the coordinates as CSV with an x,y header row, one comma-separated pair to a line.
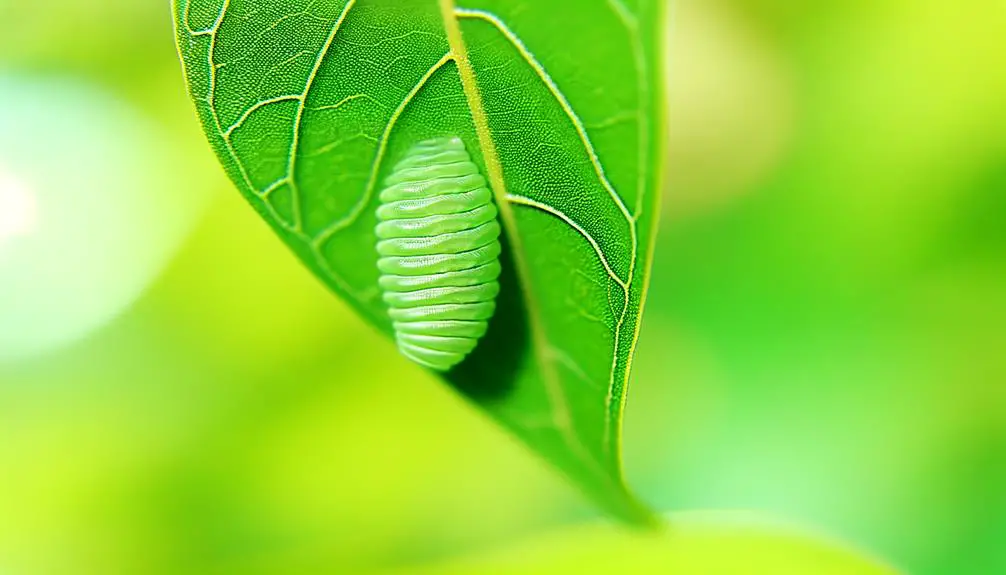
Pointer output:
x,y
825,340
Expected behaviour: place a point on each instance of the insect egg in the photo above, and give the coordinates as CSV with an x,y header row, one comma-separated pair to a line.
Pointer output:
x,y
438,247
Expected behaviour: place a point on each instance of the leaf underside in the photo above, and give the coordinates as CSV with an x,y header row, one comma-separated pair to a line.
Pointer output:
x,y
309,103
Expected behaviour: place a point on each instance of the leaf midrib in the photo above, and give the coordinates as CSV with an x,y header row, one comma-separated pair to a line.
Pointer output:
x,y
539,341
494,171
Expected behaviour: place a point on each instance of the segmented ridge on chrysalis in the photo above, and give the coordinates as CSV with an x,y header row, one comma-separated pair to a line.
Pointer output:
x,y
439,253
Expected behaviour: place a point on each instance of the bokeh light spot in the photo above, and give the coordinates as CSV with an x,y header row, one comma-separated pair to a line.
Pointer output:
x,y
18,207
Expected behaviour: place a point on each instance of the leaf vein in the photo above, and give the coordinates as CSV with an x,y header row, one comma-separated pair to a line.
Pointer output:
x,y
529,202
631,23
258,106
298,121
563,102
382,148
602,176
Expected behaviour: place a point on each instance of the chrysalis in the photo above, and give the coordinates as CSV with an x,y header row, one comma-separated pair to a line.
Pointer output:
x,y
439,253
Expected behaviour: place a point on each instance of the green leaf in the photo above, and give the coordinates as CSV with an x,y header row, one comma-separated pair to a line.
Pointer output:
x,y
308,103
706,543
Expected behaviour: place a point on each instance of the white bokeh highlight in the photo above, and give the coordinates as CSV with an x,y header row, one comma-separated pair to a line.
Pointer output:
x,y
18,207
93,203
